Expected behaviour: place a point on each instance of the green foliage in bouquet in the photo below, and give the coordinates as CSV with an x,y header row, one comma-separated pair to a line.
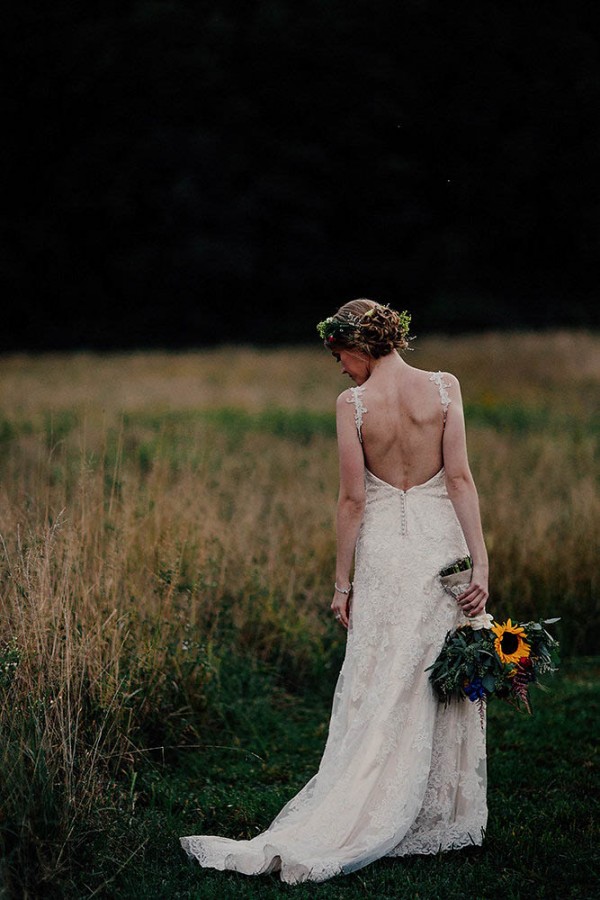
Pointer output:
x,y
501,661
461,565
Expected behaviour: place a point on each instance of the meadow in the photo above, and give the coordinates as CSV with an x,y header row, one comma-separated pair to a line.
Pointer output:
x,y
167,656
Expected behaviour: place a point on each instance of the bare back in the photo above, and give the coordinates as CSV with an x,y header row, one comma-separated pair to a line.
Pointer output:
x,y
400,417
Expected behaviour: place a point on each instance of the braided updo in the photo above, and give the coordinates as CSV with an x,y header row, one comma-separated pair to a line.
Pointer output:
x,y
367,326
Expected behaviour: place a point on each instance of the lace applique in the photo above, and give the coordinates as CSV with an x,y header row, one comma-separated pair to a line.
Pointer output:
x,y
359,407
443,389
453,813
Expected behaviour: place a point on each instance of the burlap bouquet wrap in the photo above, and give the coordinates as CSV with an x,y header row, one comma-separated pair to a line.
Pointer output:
x,y
457,582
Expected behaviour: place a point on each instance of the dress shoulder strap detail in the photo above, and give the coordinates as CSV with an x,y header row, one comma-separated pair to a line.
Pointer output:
x,y
359,408
443,389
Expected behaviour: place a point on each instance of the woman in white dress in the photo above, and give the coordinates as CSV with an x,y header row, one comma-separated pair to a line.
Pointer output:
x,y
400,774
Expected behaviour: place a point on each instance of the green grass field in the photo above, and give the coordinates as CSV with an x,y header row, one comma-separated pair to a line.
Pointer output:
x,y
167,656
542,839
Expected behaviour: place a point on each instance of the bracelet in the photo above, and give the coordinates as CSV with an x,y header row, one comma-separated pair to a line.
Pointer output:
x,y
342,590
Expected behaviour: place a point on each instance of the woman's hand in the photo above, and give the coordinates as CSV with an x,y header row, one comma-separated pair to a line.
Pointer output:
x,y
340,606
473,600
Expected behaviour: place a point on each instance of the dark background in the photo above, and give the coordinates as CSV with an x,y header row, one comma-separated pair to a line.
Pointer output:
x,y
182,173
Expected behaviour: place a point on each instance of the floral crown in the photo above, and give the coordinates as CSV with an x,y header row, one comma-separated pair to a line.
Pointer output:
x,y
331,329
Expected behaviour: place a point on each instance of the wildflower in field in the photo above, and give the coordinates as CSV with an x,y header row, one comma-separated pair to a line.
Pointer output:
x,y
10,657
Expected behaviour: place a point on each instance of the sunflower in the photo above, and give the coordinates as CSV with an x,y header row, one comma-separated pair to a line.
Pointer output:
x,y
510,644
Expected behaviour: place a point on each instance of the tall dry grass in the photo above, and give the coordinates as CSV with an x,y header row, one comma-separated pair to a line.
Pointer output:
x,y
152,540
558,369
134,564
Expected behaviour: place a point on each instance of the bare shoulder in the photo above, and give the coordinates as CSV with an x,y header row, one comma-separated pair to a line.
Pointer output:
x,y
451,380
344,397
438,375
454,398
445,380
449,387
433,375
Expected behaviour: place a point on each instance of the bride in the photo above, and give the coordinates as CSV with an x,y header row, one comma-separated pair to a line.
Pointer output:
x,y
400,774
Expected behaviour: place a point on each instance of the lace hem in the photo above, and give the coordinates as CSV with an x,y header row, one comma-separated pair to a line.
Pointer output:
x,y
214,853
271,857
452,839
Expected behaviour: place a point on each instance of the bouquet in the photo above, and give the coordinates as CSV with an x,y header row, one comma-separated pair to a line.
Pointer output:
x,y
484,658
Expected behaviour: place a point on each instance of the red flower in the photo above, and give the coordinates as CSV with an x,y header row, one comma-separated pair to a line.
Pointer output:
x,y
525,671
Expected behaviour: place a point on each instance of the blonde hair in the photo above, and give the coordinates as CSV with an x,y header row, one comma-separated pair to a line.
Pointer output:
x,y
368,326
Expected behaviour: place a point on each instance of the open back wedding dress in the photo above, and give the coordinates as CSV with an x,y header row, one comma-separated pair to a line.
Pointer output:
x,y
400,774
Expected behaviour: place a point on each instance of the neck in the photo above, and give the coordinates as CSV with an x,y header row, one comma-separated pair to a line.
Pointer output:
x,y
393,360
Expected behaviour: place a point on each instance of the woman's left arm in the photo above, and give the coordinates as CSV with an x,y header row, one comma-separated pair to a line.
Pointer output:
x,y
351,502
463,494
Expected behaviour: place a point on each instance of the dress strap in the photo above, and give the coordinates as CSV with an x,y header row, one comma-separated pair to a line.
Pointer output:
x,y
443,389
359,407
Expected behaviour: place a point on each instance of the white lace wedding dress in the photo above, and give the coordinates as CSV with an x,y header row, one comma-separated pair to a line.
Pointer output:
x,y
400,774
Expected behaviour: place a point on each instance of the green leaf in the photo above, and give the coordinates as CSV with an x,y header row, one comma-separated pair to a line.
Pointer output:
x,y
489,683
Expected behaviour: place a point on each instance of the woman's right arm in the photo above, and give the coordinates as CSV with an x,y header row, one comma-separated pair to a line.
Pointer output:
x,y
463,494
351,502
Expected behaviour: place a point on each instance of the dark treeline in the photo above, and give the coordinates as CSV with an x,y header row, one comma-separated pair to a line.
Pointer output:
x,y
189,172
